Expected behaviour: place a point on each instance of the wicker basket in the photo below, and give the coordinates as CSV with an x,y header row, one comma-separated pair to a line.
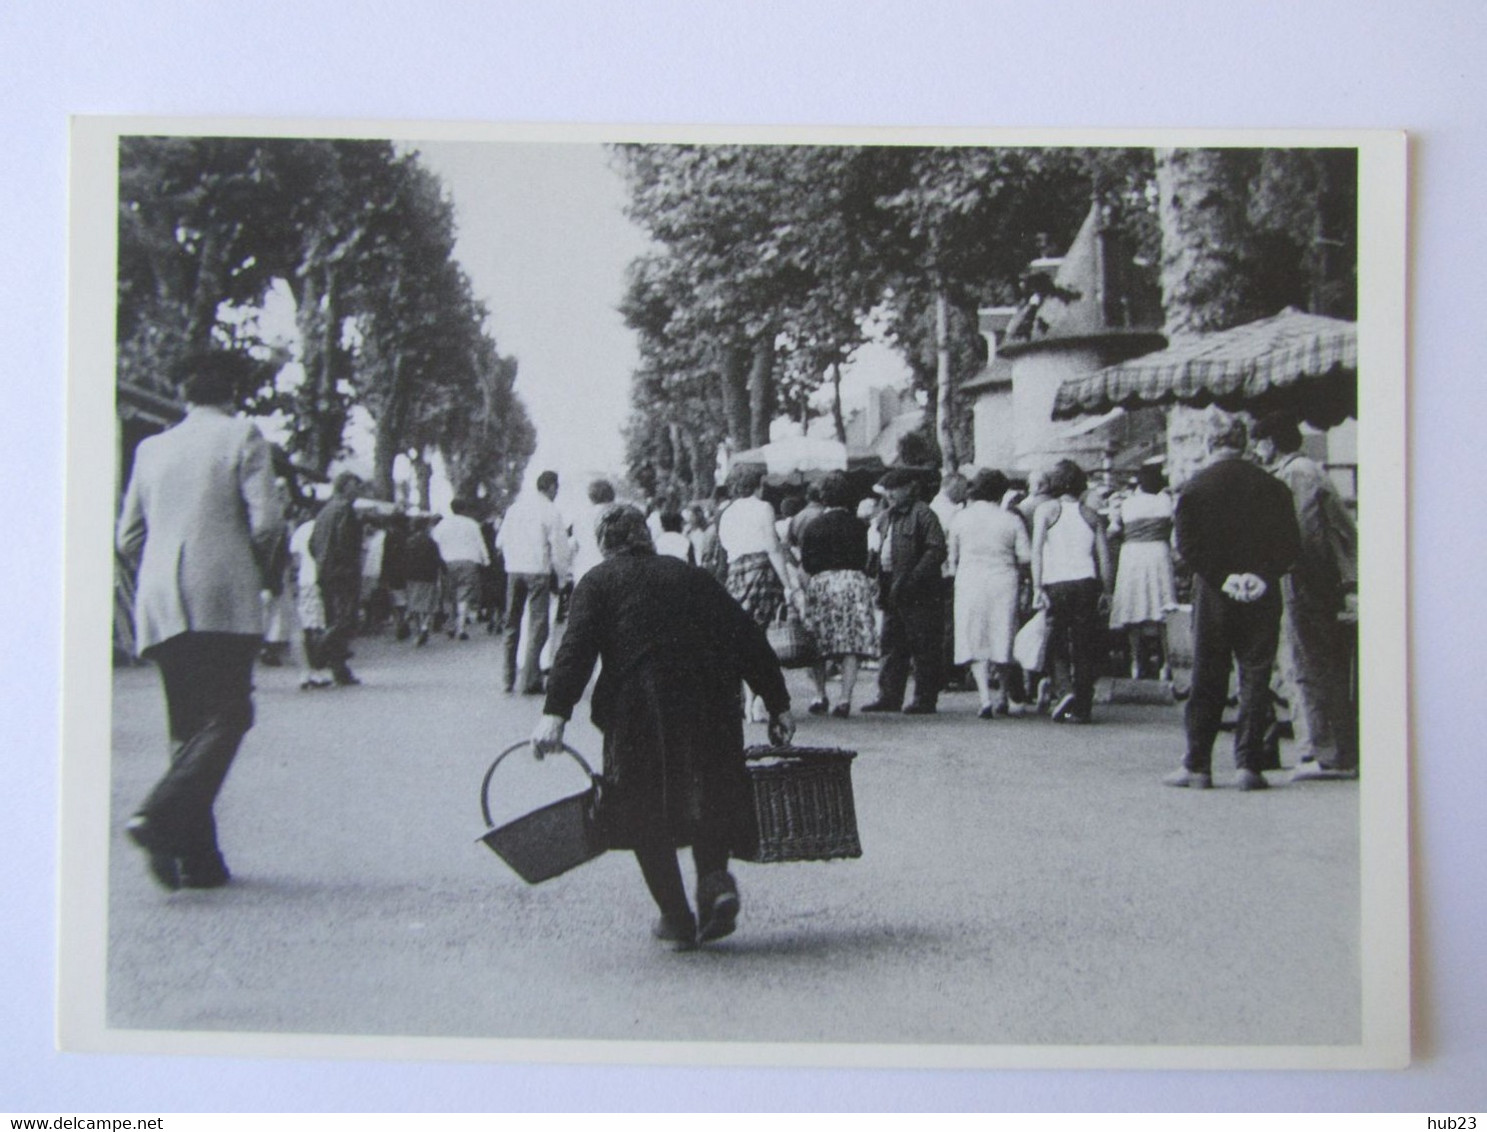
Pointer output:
x,y
803,803
548,841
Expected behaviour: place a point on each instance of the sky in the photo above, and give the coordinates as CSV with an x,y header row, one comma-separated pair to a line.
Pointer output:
x,y
544,240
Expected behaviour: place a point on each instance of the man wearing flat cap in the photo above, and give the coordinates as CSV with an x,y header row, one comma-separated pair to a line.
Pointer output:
x,y
912,599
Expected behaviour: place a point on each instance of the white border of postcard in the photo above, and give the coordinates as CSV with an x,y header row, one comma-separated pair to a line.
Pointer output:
x,y
1383,645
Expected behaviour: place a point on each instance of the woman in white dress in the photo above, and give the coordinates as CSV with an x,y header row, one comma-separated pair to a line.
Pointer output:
x,y
1144,586
988,547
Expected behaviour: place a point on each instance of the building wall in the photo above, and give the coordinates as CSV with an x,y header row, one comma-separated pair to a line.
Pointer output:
x,y
993,429
1036,377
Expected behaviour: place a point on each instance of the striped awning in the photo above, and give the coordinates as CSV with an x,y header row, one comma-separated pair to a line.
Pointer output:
x,y
1302,363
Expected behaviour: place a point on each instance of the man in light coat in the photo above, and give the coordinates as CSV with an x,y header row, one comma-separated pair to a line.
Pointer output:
x,y
203,521
1314,641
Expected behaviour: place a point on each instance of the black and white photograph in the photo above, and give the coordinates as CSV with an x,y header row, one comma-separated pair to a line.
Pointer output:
x,y
736,596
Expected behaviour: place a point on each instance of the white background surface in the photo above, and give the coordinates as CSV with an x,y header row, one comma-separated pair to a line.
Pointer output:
x,y
1232,63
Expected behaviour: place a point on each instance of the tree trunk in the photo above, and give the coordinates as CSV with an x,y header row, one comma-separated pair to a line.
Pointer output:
x,y
389,438
206,295
423,472
735,382
836,402
944,433
761,390
1201,207
1202,196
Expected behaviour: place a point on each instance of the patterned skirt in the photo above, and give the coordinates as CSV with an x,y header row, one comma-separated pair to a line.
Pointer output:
x,y
309,607
753,583
839,612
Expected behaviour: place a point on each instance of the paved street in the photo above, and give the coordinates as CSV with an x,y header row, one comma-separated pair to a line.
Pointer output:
x,y
1020,883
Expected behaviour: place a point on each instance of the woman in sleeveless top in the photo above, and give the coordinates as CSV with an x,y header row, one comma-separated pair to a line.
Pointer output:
x,y
1144,586
1071,580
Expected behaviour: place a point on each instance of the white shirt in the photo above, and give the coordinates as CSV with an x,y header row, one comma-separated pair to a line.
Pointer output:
x,y
459,540
675,544
371,554
299,550
532,538
747,527
945,510
586,540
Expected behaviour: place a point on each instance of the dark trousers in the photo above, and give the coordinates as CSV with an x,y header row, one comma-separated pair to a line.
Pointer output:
x,y
527,592
1076,634
949,670
341,598
913,639
1316,651
663,875
208,681
1226,632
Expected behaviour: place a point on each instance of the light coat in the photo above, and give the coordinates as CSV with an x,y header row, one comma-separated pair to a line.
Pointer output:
x,y
200,516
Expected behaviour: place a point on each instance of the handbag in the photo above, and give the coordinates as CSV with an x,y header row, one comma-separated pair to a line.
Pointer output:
x,y
791,640
1030,646
551,839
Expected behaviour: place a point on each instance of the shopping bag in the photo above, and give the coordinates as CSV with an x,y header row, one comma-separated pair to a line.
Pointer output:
x,y
1030,647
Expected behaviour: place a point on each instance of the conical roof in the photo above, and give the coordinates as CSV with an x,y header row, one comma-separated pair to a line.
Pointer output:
x,y
1097,290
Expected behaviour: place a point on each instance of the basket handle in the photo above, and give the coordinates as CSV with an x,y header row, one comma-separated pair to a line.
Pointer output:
x,y
485,808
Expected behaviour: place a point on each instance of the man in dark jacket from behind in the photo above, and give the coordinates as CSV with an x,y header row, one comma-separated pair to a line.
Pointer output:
x,y
912,598
336,545
1236,528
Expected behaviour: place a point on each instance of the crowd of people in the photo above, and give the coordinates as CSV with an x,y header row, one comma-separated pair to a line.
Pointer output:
x,y
1024,593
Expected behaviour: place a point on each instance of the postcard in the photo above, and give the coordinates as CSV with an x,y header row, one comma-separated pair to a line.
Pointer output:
x,y
909,598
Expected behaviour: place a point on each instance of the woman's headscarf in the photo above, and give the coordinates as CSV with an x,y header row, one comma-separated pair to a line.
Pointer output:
x,y
622,530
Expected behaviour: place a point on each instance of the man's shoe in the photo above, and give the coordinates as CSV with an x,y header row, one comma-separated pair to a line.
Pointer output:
x,y
841,711
879,706
1251,780
164,866
1192,779
1064,708
678,937
919,707
1311,771
204,872
819,707
344,677
717,906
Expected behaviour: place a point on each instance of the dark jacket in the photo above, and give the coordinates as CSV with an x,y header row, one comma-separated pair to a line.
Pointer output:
x,y
422,561
917,553
834,540
336,542
1234,518
674,647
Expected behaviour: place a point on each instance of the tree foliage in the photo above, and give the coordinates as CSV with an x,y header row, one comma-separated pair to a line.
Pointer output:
x,y
771,262
362,237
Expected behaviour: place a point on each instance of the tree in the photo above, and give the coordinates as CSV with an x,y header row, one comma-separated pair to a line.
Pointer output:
x,y
1244,233
363,239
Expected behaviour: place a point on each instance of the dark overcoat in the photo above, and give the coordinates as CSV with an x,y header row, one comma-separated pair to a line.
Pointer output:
x,y
675,647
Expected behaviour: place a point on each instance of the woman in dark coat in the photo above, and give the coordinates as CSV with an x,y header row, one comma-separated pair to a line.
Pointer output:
x,y
675,647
